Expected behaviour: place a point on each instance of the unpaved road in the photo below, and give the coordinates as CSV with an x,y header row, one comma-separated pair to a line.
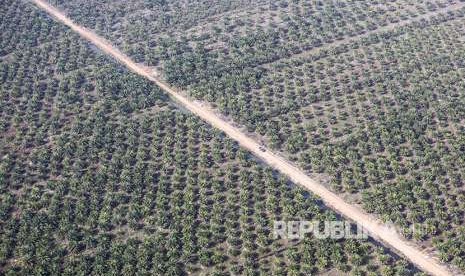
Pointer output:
x,y
377,230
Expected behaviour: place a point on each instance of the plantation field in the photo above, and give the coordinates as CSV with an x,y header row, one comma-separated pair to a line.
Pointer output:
x,y
366,96
100,174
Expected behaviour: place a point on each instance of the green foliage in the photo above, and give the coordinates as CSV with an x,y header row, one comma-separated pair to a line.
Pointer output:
x,y
100,174
367,95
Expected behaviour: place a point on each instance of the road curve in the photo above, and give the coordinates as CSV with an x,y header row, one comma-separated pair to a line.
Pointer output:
x,y
376,228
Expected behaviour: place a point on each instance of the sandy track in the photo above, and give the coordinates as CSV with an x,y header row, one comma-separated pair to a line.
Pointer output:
x,y
376,229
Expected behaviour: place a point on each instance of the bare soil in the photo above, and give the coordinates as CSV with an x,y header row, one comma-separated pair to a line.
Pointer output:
x,y
379,231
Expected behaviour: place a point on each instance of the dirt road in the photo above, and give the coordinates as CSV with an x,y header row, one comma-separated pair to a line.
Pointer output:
x,y
376,229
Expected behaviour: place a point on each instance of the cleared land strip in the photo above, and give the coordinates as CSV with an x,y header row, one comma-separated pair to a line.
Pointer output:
x,y
387,28
377,229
